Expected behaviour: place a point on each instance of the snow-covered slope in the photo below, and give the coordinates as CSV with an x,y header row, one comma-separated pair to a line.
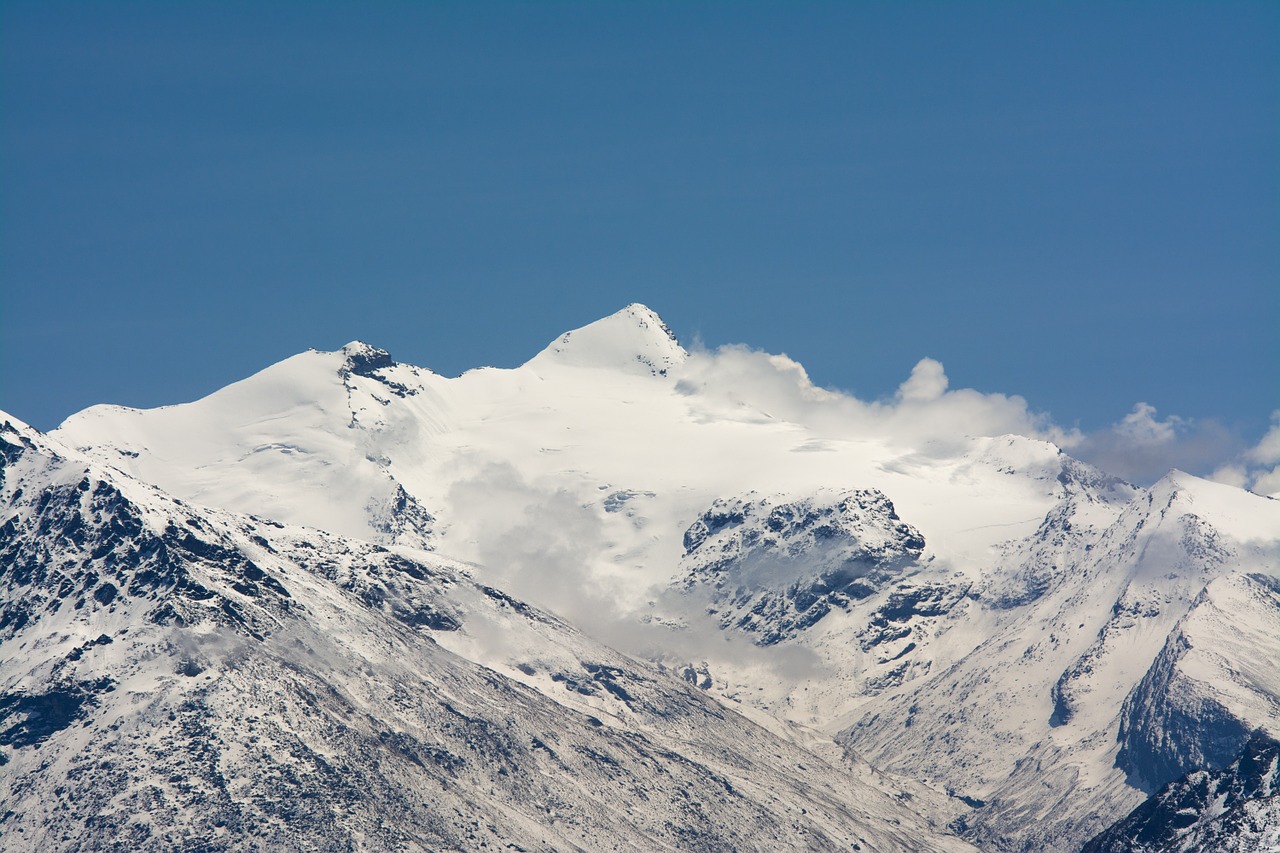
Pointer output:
x,y
326,439
973,609
175,677
1052,720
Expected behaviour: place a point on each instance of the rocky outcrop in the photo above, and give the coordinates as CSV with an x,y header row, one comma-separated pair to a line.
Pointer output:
x,y
1232,810
774,566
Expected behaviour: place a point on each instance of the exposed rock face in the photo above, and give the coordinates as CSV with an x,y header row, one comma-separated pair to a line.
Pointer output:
x,y
1233,810
776,565
1181,717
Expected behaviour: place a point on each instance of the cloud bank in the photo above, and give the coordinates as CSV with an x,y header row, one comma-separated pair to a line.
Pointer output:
x,y
924,408
1141,446
1258,467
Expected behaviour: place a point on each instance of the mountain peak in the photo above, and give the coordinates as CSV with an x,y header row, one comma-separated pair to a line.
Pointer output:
x,y
634,340
8,423
363,359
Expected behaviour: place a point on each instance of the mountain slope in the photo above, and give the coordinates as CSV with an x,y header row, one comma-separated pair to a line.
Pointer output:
x,y
1054,716
181,678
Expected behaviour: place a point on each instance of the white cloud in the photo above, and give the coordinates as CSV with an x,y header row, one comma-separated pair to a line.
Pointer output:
x,y
742,381
1267,483
540,544
1232,475
1262,461
1141,426
1142,446
537,542
1267,451
927,382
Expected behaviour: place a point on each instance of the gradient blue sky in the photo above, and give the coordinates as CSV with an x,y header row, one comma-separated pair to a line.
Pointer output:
x,y
1078,203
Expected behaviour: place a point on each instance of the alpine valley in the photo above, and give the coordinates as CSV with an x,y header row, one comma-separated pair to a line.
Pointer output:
x,y
622,597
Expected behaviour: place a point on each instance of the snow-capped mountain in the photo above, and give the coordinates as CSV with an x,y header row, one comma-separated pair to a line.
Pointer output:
x,y
175,677
1041,644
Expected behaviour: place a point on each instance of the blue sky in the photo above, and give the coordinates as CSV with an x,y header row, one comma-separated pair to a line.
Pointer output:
x,y
1078,203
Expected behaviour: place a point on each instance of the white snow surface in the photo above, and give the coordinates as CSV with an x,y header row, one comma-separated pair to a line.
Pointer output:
x,y
616,405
